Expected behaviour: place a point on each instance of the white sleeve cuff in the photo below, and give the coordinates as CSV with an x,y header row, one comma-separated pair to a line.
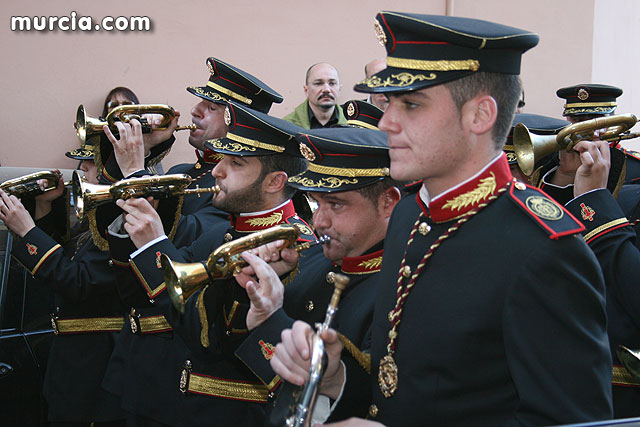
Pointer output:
x,y
547,178
145,246
323,408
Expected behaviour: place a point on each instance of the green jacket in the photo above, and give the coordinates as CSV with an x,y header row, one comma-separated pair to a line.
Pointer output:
x,y
300,116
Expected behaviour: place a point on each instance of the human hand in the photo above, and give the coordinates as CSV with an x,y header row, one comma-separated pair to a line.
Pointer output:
x,y
129,148
292,358
282,260
156,137
265,291
14,215
593,173
142,222
44,200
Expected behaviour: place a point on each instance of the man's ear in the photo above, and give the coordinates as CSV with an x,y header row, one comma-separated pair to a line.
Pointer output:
x,y
480,114
306,89
274,182
388,200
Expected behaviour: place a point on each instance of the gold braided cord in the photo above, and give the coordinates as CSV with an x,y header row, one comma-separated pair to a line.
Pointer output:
x,y
440,65
603,227
591,104
254,143
230,93
349,172
363,359
227,389
93,324
204,321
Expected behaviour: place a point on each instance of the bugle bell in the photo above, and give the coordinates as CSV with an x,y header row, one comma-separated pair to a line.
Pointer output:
x,y
87,197
183,279
87,126
530,148
27,185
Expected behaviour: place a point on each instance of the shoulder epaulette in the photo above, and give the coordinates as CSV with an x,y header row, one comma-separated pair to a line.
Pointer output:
x,y
546,212
306,232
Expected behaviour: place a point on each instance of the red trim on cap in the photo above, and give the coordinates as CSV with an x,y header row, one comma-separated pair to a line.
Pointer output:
x,y
234,83
420,42
393,37
318,153
371,117
249,127
343,155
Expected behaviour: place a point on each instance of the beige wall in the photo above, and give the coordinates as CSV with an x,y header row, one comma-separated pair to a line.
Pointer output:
x,y
47,74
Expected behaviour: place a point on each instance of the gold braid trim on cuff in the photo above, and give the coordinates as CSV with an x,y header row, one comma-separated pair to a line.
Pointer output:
x,y
604,227
227,389
363,359
93,324
623,377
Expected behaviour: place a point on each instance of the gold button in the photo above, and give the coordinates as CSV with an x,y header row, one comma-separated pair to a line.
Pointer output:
x,y
228,237
386,171
520,186
198,165
373,411
424,228
110,263
406,271
228,332
270,395
309,306
393,334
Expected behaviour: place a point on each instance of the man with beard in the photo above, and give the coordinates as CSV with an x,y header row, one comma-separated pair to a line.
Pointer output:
x,y
148,356
322,88
259,155
460,336
348,179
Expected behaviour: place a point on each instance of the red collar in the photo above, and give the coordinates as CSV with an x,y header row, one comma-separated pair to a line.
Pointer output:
x,y
365,264
265,220
470,194
209,156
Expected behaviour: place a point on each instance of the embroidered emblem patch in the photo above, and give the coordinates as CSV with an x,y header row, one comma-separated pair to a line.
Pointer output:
x,y
267,349
32,249
587,212
351,109
158,256
544,208
583,95
307,153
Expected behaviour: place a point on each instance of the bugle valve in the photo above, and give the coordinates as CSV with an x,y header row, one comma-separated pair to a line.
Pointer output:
x,y
183,279
28,185
305,402
87,197
530,148
631,361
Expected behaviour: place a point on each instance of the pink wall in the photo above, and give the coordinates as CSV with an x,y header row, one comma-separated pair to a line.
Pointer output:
x,y
47,74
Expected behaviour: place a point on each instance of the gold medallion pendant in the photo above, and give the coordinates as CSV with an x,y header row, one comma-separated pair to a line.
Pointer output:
x,y
388,376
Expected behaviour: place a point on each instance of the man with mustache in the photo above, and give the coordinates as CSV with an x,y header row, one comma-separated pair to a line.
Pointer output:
x,y
322,88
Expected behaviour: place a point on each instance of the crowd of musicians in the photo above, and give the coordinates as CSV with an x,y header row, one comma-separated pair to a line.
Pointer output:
x,y
445,261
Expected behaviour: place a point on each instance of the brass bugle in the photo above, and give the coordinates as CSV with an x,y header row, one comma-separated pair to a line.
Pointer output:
x,y
27,185
530,148
631,360
87,126
87,197
183,279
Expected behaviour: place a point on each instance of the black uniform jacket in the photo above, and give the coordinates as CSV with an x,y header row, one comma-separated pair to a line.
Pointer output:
x,y
307,298
502,326
614,241
87,318
218,385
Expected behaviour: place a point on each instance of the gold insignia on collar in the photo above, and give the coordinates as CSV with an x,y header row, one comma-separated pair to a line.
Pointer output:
x,y
227,116
372,263
583,95
273,219
380,35
485,188
351,109
306,152
544,208
212,71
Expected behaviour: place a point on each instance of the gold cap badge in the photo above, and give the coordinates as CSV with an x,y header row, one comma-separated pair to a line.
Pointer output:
x,y
351,109
583,95
382,37
227,116
306,152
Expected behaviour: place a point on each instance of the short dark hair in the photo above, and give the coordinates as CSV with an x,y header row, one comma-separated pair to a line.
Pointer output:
x,y
290,165
126,92
372,192
504,88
